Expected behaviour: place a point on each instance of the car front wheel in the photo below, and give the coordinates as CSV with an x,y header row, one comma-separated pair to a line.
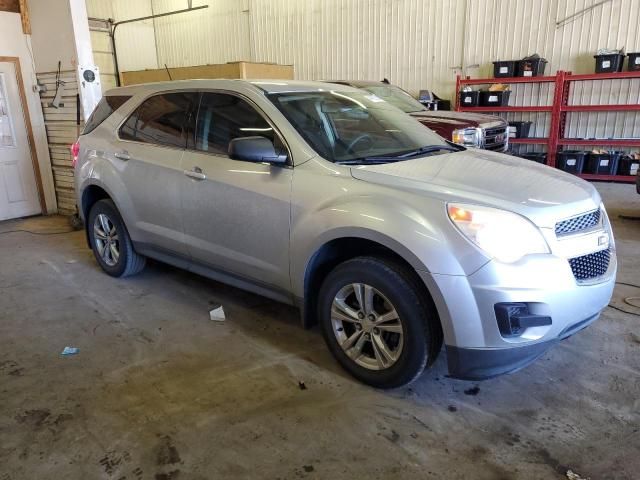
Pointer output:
x,y
377,322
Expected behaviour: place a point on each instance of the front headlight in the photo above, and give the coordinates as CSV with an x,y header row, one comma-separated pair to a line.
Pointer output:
x,y
503,235
469,137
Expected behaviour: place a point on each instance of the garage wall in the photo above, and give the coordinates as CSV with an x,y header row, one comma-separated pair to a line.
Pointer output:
x,y
99,12
527,27
415,43
13,43
103,52
135,42
218,34
62,130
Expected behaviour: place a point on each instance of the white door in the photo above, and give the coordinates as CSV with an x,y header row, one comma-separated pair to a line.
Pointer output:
x,y
18,191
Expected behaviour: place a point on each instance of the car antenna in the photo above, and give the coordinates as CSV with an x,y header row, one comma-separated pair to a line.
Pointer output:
x,y
168,72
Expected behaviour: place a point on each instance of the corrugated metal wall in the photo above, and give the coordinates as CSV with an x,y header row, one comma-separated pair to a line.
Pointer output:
x,y
525,27
415,43
218,34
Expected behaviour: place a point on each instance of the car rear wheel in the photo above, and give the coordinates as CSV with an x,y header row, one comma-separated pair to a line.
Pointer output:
x,y
110,241
377,323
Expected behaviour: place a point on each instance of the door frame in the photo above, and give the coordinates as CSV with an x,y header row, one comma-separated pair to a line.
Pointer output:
x,y
27,121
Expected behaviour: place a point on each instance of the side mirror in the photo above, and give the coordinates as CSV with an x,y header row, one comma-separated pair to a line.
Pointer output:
x,y
254,149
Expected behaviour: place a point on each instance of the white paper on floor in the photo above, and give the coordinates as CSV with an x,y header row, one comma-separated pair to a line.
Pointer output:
x,y
574,476
217,314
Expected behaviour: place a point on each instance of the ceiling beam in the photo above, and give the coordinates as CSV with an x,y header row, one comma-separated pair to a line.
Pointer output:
x,y
24,17
21,7
10,6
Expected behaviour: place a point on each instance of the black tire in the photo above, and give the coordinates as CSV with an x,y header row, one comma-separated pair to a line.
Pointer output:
x,y
129,262
416,313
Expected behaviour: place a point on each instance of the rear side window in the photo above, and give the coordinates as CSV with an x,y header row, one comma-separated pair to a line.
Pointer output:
x,y
222,117
105,107
160,120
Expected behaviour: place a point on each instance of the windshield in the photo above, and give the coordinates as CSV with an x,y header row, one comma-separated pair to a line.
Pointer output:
x,y
396,97
356,126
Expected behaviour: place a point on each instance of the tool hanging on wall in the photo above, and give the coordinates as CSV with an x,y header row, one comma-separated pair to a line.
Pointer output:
x,y
57,98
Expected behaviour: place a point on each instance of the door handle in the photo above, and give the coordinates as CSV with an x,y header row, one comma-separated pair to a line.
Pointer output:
x,y
122,156
196,174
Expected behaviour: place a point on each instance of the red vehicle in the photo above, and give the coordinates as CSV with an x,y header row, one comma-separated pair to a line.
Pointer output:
x,y
468,129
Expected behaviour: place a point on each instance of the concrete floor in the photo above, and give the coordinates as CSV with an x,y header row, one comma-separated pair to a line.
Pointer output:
x,y
158,391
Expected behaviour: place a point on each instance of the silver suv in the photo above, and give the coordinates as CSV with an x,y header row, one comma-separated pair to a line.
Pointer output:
x,y
327,197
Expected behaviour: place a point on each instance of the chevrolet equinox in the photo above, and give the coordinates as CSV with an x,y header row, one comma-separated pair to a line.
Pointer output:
x,y
329,198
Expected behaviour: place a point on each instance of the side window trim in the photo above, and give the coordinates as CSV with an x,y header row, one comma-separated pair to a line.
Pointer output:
x,y
192,122
136,112
253,105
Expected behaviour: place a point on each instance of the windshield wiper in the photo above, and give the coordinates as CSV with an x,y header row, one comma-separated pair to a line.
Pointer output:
x,y
428,149
397,157
367,161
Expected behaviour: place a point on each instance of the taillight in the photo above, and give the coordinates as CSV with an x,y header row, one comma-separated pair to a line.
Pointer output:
x,y
75,151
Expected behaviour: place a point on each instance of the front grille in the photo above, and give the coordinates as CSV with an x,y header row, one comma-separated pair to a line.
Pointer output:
x,y
496,131
495,138
496,147
588,267
576,224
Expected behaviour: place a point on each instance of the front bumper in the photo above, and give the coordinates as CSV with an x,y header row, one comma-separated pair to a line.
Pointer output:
x,y
483,363
545,283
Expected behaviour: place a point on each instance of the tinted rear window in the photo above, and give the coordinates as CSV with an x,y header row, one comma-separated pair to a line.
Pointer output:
x,y
161,120
105,107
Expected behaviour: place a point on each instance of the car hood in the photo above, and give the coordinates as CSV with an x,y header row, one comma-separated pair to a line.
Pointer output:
x,y
543,194
459,119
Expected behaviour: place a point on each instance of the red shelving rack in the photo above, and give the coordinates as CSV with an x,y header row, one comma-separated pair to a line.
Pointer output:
x,y
559,109
532,108
486,81
530,140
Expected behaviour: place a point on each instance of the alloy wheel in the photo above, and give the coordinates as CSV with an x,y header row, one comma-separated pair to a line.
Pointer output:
x,y
106,239
367,326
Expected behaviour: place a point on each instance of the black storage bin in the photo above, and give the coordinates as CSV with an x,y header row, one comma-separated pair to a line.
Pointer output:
x,y
628,166
531,68
536,157
506,68
571,161
602,163
519,129
494,99
469,99
634,62
609,63
442,105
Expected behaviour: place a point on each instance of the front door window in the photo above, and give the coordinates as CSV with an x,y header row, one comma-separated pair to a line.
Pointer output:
x,y
7,138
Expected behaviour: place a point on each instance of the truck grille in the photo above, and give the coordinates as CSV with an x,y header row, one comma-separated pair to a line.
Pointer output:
x,y
495,138
588,267
576,224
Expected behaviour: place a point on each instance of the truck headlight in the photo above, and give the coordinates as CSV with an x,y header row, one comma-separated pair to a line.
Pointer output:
x,y
469,137
503,235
